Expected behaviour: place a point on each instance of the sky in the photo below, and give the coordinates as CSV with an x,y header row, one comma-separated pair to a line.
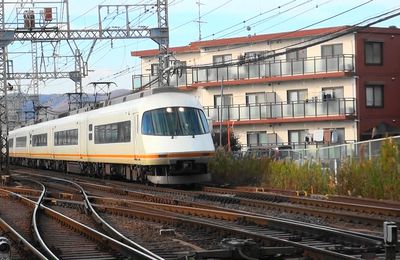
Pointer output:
x,y
111,60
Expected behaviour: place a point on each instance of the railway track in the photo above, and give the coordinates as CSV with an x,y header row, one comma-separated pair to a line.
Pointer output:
x,y
312,240
358,217
353,251
61,237
15,219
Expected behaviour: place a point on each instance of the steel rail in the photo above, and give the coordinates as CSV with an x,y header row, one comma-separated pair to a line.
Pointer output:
x,y
106,227
175,217
36,233
165,200
221,214
35,217
88,231
176,202
359,208
320,213
20,240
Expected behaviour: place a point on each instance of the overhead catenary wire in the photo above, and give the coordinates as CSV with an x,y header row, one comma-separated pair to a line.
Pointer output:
x,y
249,19
268,18
329,18
296,15
312,42
203,15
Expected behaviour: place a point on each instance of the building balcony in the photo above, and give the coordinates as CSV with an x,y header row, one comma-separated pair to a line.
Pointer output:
x,y
263,71
281,112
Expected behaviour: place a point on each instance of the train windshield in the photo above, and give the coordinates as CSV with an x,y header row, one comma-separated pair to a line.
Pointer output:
x,y
174,121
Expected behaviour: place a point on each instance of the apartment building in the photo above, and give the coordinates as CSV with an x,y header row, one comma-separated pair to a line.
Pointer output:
x,y
275,89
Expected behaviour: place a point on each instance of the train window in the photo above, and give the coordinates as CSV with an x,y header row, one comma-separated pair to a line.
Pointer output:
x,y
113,133
174,121
90,127
90,137
66,137
39,140
20,141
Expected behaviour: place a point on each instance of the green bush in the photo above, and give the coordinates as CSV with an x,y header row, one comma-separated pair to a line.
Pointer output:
x,y
378,178
226,169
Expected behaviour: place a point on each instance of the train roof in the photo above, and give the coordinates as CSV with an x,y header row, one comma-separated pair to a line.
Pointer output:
x,y
153,100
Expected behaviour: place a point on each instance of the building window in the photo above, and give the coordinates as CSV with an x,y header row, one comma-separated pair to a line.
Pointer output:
x,y
113,133
337,136
20,141
39,140
331,93
373,53
67,137
296,55
253,55
258,138
296,95
154,69
222,59
331,50
374,95
296,136
227,100
255,98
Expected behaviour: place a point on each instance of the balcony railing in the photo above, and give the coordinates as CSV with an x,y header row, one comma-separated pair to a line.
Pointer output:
x,y
262,69
300,109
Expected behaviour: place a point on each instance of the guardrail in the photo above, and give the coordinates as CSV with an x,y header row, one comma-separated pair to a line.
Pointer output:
x,y
300,109
254,70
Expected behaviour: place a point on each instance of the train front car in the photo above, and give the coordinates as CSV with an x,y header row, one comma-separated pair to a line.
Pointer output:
x,y
176,141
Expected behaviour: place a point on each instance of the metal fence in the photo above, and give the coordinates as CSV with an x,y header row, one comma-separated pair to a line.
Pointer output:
x,y
332,156
261,69
298,109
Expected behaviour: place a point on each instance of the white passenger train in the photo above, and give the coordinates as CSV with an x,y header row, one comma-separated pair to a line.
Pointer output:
x,y
162,137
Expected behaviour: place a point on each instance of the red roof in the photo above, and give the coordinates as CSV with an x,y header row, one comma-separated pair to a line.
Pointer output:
x,y
195,46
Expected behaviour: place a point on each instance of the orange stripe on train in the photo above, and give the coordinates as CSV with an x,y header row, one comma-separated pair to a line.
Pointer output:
x,y
124,156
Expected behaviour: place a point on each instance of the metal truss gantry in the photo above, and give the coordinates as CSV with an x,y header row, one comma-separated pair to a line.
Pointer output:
x,y
160,35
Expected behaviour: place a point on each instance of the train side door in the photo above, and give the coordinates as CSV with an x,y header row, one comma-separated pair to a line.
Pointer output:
x,y
52,141
81,138
135,133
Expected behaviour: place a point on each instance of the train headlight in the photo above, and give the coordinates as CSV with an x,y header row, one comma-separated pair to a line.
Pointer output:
x,y
169,110
181,109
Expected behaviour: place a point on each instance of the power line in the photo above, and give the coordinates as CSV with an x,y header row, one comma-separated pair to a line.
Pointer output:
x,y
334,16
329,18
267,18
313,41
202,16
251,18
301,13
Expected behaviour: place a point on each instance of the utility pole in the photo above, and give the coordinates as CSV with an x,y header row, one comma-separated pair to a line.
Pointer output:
x,y
199,21
5,39
161,36
221,112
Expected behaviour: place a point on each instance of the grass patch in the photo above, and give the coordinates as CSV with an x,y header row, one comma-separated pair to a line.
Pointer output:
x,y
377,178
